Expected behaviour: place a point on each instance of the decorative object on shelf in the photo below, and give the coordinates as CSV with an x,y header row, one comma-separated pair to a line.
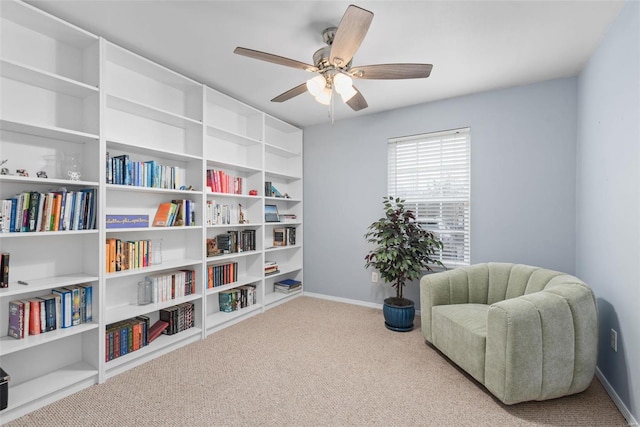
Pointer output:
x,y
156,251
127,221
41,174
403,251
52,167
241,219
253,192
5,171
22,172
71,165
144,291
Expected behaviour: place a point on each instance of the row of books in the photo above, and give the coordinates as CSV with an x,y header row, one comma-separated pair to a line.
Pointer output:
x,y
121,170
223,274
127,254
59,210
284,236
127,336
287,286
232,241
221,182
178,318
62,308
219,214
270,190
237,298
168,286
176,213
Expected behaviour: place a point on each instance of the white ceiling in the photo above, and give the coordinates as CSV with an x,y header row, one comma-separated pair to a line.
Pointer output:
x,y
474,46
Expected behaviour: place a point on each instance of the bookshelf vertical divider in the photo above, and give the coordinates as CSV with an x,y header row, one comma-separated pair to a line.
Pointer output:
x,y
99,102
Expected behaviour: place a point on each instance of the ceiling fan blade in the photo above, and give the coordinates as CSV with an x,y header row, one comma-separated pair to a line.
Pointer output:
x,y
391,71
291,93
351,31
280,60
357,101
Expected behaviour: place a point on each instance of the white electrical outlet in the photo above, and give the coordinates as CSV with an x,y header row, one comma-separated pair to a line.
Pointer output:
x,y
374,277
614,340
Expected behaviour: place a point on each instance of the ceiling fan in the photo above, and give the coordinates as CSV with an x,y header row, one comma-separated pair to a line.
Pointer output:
x,y
333,63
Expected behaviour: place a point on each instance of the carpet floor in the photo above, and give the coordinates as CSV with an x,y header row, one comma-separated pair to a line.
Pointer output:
x,y
310,362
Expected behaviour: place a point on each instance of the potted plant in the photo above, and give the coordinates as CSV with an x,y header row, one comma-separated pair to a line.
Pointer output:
x,y
404,250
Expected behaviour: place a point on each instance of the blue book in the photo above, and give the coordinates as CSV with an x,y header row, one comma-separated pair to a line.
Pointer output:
x,y
288,282
66,306
14,210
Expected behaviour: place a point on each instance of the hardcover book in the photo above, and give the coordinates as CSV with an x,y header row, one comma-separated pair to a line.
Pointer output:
x,y
4,270
16,319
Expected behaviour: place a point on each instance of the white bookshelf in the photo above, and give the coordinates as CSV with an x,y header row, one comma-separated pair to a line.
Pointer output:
x,y
49,110
151,114
68,93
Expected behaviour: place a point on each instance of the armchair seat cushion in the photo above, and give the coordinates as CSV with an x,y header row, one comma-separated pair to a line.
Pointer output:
x,y
525,333
460,332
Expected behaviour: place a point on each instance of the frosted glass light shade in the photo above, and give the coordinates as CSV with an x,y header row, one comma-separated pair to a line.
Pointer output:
x,y
348,93
315,85
342,83
324,97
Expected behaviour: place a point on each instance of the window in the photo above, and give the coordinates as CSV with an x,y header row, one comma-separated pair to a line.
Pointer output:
x,y
431,172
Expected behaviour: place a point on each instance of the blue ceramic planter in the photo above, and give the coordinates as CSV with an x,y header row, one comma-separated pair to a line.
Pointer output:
x,y
398,314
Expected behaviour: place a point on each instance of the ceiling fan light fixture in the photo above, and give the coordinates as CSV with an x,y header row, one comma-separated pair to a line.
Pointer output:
x,y
324,97
316,85
347,94
342,83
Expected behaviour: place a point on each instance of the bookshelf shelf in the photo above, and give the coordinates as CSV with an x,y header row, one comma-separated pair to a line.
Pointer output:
x,y
10,345
115,314
69,94
47,131
45,80
221,317
165,265
36,285
69,379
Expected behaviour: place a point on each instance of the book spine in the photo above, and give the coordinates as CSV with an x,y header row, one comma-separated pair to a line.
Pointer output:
x,y
4,269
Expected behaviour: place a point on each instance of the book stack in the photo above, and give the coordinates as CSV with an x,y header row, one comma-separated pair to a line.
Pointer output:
x,y
287,286
178,317
270,267
219,181
223,274
176,213
126,255
126,336
237,298
62,308
60,210
168,286
123,171
233,241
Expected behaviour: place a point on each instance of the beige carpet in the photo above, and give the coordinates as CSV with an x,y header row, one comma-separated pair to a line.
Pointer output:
x,y
310,362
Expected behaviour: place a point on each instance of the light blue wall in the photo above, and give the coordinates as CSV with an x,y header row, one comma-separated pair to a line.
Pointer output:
x,y
523,143
608,197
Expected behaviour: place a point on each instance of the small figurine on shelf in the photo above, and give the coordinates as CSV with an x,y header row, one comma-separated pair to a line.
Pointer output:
x,y
74,176
241,219
4,171
41,174
22,172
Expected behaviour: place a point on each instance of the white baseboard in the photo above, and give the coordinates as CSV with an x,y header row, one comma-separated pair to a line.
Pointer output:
x,y
616,399
347,300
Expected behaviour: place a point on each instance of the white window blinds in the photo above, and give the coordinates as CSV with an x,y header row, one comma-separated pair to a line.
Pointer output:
x,y
431,172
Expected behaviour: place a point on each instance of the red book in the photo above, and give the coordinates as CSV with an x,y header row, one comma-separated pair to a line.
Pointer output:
x,y
34,316
156,330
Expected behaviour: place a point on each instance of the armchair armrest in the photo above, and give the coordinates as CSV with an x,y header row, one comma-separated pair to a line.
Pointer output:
x,y
536,342
447,287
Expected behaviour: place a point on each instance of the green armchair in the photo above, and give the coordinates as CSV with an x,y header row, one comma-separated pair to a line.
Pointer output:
x,y
525,333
